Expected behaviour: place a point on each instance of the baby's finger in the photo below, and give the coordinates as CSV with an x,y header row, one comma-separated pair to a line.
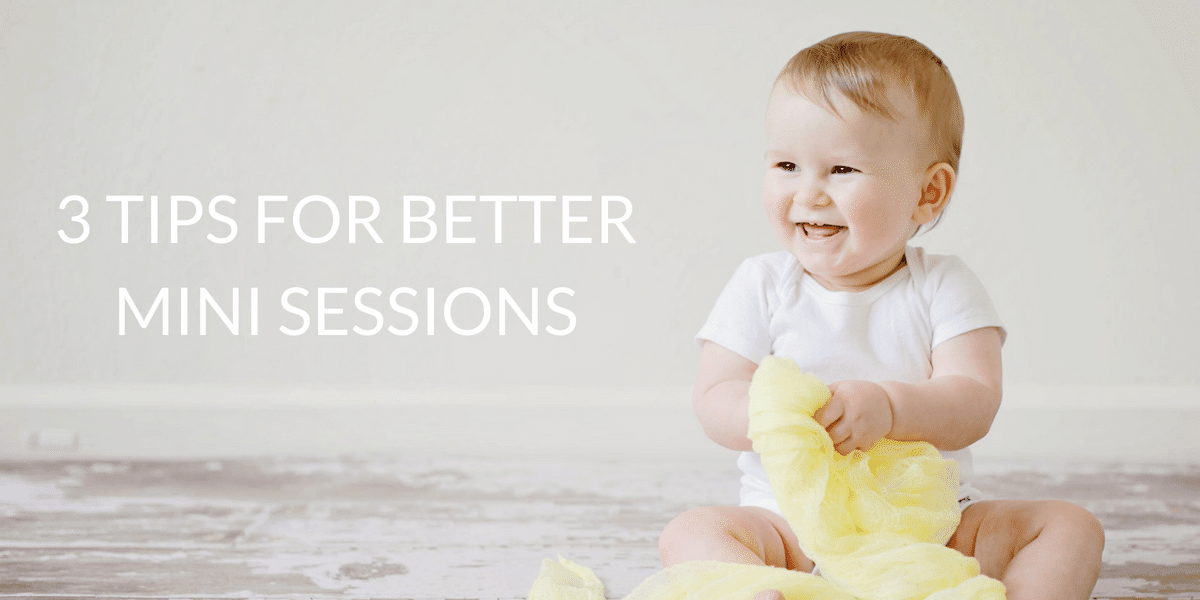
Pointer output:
x,y
829,414
845,447
840,433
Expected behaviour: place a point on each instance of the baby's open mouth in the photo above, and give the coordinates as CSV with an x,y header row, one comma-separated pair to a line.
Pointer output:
x,y
820,230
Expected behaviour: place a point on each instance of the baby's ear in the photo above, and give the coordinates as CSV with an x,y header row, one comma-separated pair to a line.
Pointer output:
x,y
936,188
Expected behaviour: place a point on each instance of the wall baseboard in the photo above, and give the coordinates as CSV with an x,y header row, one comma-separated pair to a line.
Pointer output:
x,y
1071,424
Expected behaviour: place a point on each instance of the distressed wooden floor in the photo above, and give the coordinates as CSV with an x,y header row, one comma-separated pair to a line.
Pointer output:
x,y
412,527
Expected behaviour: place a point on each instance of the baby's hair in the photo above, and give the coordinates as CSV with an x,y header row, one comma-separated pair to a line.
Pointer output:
x,y
861,65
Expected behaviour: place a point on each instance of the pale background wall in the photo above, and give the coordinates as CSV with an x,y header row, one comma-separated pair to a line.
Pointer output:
x,y
1076,206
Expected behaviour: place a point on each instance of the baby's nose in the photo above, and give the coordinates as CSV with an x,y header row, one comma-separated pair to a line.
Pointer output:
x,y
811,195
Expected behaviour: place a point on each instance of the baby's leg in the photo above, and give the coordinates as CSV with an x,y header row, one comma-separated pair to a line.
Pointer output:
x,y
1038,549
736,534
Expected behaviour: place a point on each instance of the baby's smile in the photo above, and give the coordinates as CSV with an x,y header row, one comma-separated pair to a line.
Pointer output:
x,y
820,230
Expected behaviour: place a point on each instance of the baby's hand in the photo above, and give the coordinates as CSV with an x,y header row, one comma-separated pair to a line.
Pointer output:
x,y
858,415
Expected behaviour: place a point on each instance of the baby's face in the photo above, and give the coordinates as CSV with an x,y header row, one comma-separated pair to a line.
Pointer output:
x,y
841,193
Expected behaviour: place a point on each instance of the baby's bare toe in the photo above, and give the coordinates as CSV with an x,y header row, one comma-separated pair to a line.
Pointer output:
x,y
769,595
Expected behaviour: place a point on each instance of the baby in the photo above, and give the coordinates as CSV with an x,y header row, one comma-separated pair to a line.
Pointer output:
x,y
864,132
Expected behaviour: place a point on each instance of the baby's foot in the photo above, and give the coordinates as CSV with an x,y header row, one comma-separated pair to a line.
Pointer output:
x,y
769,595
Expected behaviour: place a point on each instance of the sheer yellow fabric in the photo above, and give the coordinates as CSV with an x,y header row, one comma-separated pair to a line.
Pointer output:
x,y
875,523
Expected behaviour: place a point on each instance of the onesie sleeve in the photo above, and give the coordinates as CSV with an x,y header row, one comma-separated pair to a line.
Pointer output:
x,y
741,317
959,303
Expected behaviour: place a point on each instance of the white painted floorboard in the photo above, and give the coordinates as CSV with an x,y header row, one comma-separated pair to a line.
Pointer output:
x,y
461,527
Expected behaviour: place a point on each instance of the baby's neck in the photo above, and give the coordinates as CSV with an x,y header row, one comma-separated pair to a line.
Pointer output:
x,y
848,285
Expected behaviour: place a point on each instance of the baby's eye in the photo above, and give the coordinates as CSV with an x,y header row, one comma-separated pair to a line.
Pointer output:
x,y
842,170
786,166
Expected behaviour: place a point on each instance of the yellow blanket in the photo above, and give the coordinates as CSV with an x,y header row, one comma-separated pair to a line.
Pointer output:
x,y
875,523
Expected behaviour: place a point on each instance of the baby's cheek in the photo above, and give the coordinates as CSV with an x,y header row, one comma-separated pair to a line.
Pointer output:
x,y
777,211
876,223
770,206
772,195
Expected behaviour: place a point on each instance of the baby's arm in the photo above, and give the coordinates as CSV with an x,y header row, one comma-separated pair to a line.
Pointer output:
x,y
956,406
721,397
951,410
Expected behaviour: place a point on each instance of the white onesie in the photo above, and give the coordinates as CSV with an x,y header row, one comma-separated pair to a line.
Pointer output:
x,y
884,333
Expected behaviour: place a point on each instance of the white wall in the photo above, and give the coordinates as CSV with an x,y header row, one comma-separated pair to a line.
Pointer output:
x,y
1076,204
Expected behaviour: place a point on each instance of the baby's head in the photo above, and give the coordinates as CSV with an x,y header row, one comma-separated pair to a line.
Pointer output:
x,y
864,135
868,68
